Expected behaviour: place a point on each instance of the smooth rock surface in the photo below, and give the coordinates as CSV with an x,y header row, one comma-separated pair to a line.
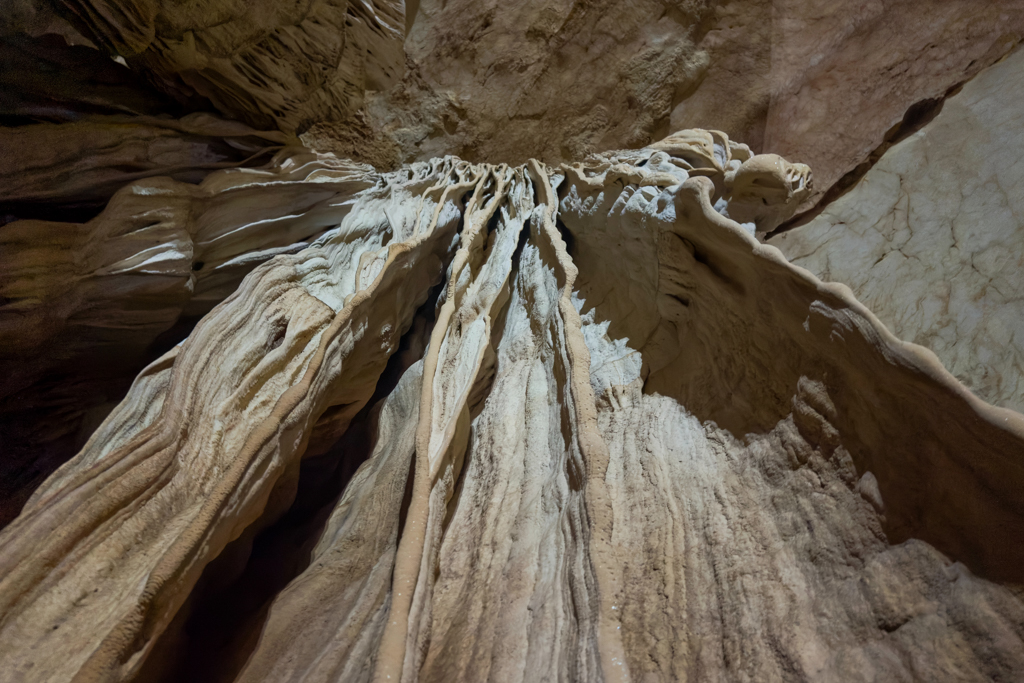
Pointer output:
x,y
932,238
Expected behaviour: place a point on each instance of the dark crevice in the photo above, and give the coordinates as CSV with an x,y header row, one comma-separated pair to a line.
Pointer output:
x,y
171,337
918,115
54,211
702,258
493,222
683,301
567,237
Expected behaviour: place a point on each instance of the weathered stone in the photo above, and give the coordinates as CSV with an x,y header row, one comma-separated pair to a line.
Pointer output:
x,y
567,419
83,307
932,238
53,168
197,456
823,82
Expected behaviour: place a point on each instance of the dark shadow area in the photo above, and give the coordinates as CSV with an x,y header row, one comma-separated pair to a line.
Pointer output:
x,y
45,79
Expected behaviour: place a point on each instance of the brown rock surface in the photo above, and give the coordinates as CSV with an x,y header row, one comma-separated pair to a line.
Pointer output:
x,y
264,62
565,419
824,81
194,460
53,168
83,306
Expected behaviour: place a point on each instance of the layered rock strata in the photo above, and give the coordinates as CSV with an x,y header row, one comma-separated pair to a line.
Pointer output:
x,y
75,167
640,445
83,307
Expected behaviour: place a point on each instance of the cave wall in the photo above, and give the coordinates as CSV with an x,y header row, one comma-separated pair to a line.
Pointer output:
x,y
822,82
445,390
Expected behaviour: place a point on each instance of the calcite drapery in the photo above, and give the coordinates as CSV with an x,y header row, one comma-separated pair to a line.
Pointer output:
x,y
82,306
640,446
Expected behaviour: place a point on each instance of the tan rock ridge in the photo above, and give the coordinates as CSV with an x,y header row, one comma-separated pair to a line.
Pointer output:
x,y
82,306
640,445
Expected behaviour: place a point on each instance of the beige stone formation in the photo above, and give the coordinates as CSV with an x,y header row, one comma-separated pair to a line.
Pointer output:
x,y
162,248
640,445
188,452
821,81
932,238
578,416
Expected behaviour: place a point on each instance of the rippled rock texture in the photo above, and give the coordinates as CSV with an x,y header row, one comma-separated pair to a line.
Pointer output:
x,y
609,435
272,64
573,418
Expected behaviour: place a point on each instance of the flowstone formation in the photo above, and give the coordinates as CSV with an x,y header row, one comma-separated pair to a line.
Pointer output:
x,y
610,435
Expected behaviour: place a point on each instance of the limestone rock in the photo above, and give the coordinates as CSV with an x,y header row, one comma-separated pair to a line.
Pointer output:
x,y
640,445
932,238
824,81
59,168
198,458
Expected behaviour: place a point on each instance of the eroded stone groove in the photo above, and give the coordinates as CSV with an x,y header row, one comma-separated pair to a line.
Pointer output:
x,y
664,453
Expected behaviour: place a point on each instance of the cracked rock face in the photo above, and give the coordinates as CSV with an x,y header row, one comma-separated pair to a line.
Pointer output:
x,y
609,436
939,220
